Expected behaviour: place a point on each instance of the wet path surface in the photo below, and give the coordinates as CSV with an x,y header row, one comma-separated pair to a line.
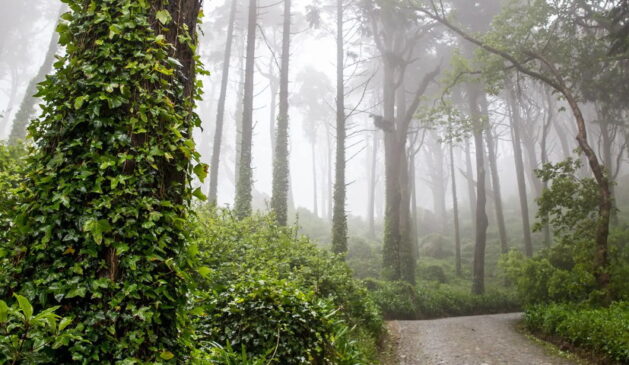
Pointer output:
x,y
474,340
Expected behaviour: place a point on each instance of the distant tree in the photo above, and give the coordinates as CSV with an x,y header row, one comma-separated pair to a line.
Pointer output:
x,y
220,110
281,168
244,184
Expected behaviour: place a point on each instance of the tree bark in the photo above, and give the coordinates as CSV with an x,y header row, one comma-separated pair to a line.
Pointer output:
x,y
516,122
242,206
471,193
220,112
281,168
478,285
372,187
495,179
455,211
339,218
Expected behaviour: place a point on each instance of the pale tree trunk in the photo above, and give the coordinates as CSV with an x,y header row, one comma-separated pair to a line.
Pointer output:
x,y
516,123
478,286
471,194
242,205
281,168
372,186
455,210
220,113
315,199
339,218
29,102
495,179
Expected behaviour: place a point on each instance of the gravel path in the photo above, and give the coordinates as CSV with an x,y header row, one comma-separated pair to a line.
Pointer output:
x,y
475,340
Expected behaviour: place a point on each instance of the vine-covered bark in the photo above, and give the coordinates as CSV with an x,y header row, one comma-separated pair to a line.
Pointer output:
x,y
100,230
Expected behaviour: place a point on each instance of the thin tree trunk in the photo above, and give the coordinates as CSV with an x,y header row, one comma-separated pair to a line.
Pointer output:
x,y
478,286
519,169
315,199
544,158
372,186
339,219
220,113
471,193
455,210
242,206
495,179
29,102
281,168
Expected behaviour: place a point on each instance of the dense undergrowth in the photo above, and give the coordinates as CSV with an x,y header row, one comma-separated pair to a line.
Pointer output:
x,y
268,292
604,331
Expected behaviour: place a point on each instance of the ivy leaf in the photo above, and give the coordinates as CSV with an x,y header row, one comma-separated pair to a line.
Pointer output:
x,y
97,228
65,322
78,102
4,311
163,16
201,171
167,355
204,271
199,194
25,306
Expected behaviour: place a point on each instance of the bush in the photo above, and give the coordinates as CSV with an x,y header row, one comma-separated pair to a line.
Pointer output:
x,y
297,276
399,300
267,315
602,330
27,337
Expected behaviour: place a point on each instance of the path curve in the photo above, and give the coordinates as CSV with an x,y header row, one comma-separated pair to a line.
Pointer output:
x,y
474,340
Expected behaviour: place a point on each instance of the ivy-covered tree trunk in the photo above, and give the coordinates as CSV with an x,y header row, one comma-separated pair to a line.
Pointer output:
x,y
339,219
244,184
29,102
220,112
281,168
102,216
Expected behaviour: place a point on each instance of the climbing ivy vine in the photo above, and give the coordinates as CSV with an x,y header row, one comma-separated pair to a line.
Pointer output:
x,y
101,227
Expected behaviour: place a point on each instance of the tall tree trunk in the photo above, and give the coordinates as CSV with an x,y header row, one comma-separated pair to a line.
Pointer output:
x,y
391,249
563,139
545,159
414,213
339,219
372,186
242,206
315,199
281,168
516,122
220,112
29,102
455,210
471,193
478,285
495,178
240,94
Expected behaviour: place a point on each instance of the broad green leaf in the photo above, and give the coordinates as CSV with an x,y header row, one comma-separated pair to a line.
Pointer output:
x,y
25,306
163,16
4,311
204,271
201,171
199,194
167,355
65,322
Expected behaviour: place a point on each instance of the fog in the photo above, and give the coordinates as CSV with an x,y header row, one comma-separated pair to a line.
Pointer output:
x,y
27,28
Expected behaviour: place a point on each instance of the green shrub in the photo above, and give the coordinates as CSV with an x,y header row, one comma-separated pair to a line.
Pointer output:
x,y
603,330
27,337
235,253
266,315
399,300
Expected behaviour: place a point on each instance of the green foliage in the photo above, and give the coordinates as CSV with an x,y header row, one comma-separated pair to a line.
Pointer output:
x,y
603,330
400,300
27,337
267,289
11,167
266,315
570,204
100,223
